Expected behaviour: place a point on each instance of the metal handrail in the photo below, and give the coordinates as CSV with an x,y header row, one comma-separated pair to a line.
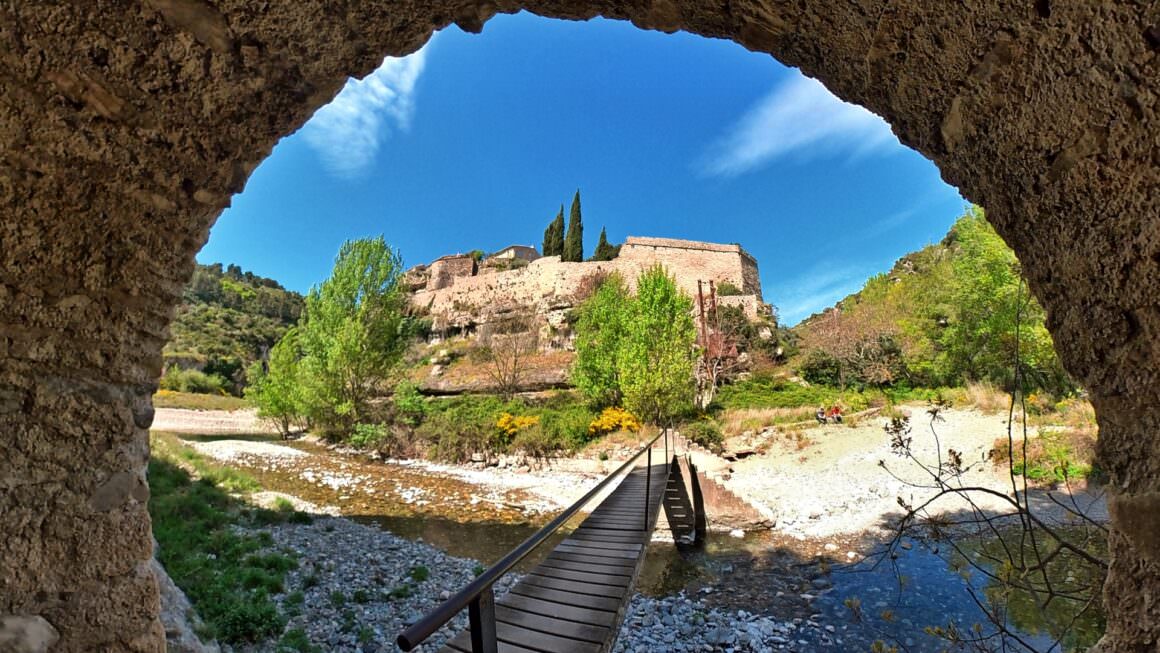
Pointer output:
x,y
478,595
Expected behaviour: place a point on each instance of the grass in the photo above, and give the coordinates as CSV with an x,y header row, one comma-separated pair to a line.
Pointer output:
x,y
193,401
420,574
987,398
739,420
227,574
1064,447
170,447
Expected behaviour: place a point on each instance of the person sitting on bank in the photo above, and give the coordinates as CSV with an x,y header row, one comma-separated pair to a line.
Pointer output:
x,y
835,414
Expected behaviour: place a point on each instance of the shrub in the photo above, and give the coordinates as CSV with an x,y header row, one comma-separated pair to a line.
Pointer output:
x,y
538,443
567,427
452,441
194,381
705,432
765,392
410,406
727,289
1052,456
821,368
370,436
510,425
613,419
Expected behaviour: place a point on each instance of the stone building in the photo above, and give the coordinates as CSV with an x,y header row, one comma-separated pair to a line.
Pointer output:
x,y
521,252
444,270
549,287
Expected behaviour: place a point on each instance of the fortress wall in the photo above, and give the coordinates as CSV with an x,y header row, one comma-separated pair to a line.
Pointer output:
x,y
446,271
548,284
690,262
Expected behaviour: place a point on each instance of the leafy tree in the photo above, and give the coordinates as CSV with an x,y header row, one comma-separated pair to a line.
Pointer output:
x,y
656,356
979,342
637,350
599,331
554,235
574,240
604,250
277,390
353,333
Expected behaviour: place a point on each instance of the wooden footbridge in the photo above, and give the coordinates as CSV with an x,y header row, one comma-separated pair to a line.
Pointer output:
x,y
575,599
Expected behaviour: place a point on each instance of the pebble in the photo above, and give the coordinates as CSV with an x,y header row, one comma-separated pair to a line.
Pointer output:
x,y
701,628
357,587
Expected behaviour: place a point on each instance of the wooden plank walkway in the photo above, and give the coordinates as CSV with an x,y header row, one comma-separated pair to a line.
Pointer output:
x,y
574,600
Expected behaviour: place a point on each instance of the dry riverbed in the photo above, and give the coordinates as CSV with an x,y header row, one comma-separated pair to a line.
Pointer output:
x,y
830,498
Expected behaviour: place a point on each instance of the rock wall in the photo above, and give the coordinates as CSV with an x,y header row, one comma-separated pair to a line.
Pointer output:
x,y
129,124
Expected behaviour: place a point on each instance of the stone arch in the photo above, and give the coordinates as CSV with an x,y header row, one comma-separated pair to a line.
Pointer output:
x,y
128,125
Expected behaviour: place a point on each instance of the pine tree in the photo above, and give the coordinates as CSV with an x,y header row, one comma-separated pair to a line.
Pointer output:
x,y
604,250
574,240
554,235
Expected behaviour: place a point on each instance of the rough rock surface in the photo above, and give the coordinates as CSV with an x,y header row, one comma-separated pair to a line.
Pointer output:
x,y
178,617
128,125
23,634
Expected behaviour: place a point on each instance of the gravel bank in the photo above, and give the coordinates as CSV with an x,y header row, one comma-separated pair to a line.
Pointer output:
x,y
834,486
356,586
680,623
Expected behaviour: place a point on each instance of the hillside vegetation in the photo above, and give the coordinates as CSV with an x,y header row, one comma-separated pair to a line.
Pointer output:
x,y
227,319
948,315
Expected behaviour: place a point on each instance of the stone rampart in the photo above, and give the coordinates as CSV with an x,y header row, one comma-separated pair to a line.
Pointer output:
x,y
549,286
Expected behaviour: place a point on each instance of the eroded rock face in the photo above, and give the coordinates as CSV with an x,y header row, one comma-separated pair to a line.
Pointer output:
x,y
128,125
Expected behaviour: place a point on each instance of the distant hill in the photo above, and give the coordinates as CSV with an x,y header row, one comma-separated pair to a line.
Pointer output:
x,y
228,319
944,315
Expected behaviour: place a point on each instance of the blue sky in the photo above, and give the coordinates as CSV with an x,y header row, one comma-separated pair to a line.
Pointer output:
x,y
475,141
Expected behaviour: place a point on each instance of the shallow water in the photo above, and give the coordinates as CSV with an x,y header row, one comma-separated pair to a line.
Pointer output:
x,y
898,597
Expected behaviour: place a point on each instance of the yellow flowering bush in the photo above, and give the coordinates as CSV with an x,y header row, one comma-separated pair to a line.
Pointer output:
x,y
510,425
613,419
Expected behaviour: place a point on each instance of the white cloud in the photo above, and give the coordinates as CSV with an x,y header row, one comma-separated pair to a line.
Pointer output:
x,y
348,132
801,118
819,287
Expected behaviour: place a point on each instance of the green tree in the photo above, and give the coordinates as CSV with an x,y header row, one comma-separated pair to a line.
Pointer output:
x,y
989,300
276,391
574,239
353,333
554,235
656,356
599,330
604,250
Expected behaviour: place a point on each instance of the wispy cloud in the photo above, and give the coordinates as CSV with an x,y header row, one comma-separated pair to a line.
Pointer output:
x,y
348,132
799,118
817,288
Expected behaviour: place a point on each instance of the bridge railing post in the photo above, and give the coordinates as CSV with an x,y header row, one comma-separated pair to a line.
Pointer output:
x,y
481,615
647,486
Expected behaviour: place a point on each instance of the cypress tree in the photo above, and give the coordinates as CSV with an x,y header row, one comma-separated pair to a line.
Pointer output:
x,y
604,250
574,240
554,235
546,249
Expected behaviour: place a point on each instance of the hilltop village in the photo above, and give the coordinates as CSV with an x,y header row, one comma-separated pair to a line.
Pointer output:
x,y
462,293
